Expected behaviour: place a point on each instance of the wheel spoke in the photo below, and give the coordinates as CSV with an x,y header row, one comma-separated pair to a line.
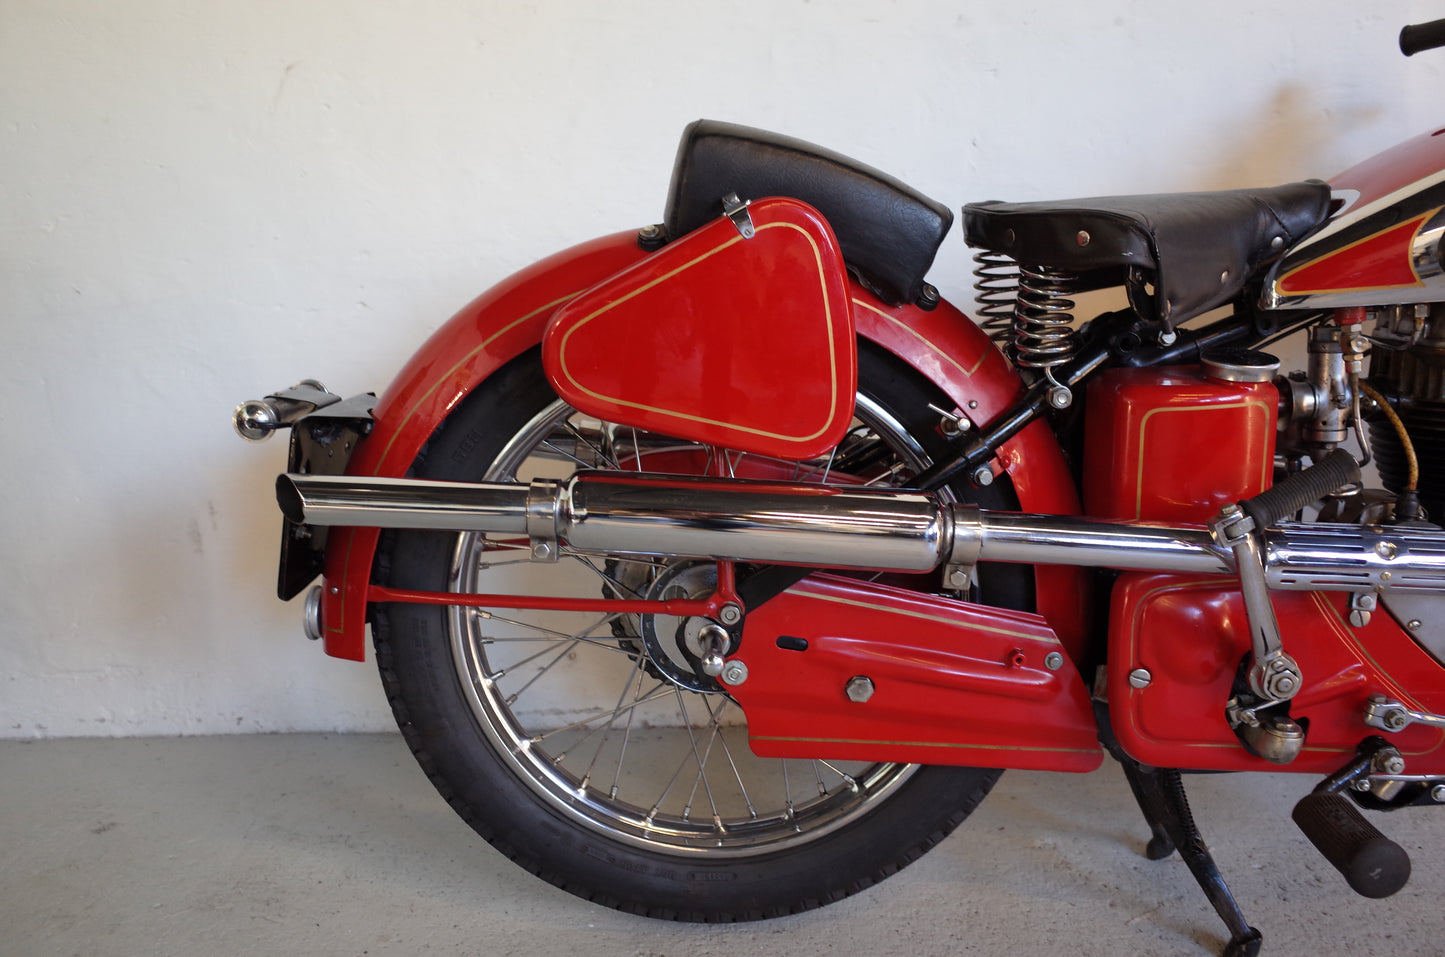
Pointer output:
x,y
549,444
657,694
636,684
717,731
701,759
544,633
605,730
601,456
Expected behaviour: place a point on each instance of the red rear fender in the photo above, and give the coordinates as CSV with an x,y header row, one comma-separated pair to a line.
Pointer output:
x,y
501,324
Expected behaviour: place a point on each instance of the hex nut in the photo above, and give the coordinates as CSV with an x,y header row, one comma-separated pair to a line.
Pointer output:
x,y
859,688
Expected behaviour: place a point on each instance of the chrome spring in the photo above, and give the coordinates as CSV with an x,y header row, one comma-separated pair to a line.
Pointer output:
x,y
1044,318
996,287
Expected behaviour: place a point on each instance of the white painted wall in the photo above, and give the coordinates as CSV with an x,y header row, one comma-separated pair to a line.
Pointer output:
x,y
201,202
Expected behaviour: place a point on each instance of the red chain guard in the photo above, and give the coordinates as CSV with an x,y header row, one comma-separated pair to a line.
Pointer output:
x,y
953,682
1190,633
742,343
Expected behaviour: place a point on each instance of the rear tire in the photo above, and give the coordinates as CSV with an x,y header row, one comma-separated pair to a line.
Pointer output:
x,y
575,744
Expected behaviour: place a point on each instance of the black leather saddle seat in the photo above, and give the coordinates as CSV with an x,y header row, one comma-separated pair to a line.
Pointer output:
x,y
1197,249
888,231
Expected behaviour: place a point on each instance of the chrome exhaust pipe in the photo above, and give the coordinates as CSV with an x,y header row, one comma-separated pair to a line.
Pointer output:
x,y
597,512
848,527
402,503
746,521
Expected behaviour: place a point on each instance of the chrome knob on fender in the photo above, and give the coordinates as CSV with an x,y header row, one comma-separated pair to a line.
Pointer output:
x,y
255,420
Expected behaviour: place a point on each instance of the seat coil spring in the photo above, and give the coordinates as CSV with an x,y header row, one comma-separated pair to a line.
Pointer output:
x,y
996,287
1044,317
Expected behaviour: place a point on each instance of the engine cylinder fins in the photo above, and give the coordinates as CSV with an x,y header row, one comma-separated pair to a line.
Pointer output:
x,y
1043,328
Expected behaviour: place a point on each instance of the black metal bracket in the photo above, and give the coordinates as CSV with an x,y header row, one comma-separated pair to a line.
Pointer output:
x,y
322,443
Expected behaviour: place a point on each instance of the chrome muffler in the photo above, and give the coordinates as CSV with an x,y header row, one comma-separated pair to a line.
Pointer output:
x,y
744,520
846,527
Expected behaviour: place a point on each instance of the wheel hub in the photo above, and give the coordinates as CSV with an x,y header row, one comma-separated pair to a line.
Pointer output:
x,y
674,644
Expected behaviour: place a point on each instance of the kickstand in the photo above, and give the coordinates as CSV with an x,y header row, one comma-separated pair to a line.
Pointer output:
x,y
1160,793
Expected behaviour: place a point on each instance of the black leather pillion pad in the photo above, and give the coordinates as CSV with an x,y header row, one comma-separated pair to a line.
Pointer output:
x,y
889,232
1198,249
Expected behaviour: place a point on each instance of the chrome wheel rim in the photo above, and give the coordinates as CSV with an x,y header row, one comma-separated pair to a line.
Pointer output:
x,y
574,702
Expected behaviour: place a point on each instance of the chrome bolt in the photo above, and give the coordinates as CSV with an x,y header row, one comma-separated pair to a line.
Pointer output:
x,y
1437,794
730,614
1082,238
1386,550
734,673
714,641
1168,337
541,551
1395,719
1140,678
859,688
1053,661
1060,397
1386,763
1413,624
982,476
958,577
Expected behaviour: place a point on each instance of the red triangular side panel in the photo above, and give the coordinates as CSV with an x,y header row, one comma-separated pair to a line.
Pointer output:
x,y
742,343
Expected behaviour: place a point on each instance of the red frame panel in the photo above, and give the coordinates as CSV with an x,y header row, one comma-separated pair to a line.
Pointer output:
x,y
953,682
1191,632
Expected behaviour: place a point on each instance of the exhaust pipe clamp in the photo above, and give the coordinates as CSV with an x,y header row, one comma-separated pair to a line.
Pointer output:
x,y
543,508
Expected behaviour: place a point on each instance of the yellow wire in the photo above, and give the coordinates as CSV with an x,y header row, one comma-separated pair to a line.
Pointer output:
x,y
1410,460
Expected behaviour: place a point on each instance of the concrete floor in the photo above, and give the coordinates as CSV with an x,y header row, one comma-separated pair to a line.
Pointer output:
x,y
337,845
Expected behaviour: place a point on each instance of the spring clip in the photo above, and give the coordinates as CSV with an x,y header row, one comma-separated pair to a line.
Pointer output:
x,y
1043,330
996,288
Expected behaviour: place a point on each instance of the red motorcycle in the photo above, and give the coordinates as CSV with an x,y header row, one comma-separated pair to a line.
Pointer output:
x,y
715,569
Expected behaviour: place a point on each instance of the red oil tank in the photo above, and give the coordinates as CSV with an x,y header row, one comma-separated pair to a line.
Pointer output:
x,y
1176,443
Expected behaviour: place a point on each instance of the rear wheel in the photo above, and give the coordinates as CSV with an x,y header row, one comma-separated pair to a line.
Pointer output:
x,y
588,747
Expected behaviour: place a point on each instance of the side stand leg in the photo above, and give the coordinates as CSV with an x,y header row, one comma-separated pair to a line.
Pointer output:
x,y
1161,845
1160,793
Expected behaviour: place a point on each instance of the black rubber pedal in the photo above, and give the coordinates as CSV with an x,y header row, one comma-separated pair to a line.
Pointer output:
x,y
1302,489
1373,865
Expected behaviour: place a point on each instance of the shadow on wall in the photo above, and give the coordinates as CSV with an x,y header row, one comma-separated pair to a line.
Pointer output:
x,y
1288,140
